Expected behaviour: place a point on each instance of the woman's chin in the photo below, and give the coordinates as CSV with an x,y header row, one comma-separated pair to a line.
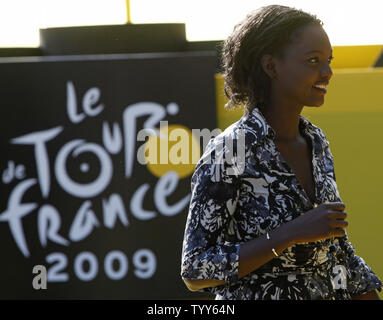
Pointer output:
x,y
316,104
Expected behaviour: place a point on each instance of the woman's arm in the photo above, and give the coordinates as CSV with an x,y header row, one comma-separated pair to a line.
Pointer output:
x,y
324,221
252,255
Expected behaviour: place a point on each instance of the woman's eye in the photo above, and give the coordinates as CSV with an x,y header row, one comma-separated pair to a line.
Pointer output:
x,y
313,60
316,60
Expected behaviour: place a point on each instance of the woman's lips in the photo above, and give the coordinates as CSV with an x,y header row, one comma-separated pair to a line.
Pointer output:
x,y
320,89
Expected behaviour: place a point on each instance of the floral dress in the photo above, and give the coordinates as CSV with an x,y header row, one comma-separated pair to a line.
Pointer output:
x,y
241,189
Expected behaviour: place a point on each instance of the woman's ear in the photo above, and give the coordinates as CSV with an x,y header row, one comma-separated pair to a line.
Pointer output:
x,y
268,65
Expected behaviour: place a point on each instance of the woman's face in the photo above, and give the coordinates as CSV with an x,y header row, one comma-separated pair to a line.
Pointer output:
x,y
304,67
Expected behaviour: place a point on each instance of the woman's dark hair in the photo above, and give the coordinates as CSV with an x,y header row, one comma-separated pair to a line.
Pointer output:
x,y
267,30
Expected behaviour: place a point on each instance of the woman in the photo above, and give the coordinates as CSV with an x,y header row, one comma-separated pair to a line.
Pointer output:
x,y
266,220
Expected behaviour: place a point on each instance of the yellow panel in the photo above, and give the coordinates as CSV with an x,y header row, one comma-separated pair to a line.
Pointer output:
x,y
355,56
353,90
350,90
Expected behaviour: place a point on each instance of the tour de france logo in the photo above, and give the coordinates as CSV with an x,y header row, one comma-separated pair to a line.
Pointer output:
x,y
142,137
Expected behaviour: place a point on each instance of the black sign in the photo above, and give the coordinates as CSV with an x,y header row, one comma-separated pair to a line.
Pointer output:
x,y
79,208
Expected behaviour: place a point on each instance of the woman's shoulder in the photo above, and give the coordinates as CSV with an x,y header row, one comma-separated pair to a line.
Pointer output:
x,y
245,128
225,156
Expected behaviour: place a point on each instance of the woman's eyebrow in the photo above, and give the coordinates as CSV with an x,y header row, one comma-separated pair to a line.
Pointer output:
x,y
313,51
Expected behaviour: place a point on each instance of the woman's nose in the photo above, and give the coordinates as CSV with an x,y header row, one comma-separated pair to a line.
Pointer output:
x,y
326,71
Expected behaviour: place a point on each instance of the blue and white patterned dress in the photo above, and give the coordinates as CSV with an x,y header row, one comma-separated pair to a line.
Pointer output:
x,y
253,192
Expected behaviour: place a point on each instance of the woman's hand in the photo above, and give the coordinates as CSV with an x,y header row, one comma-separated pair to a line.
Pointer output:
x,y
371,295
325,221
